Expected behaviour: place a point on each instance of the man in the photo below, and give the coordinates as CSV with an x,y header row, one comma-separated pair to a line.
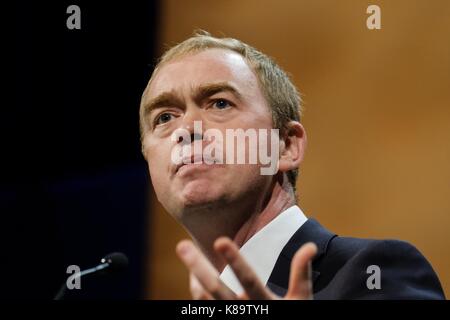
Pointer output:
x,y
250,239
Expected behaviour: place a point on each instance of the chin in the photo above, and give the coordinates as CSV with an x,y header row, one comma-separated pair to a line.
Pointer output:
x,y
199,195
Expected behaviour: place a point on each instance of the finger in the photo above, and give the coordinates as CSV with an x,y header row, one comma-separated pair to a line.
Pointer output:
x,y
300,283
197,291
203,270
253,287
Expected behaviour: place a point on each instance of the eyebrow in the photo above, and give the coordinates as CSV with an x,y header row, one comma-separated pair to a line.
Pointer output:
x,y
205,91
163,100
201,93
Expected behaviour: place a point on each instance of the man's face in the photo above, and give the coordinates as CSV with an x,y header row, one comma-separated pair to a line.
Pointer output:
x,y
218,88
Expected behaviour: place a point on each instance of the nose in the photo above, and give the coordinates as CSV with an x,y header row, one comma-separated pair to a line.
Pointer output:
x,y
191,123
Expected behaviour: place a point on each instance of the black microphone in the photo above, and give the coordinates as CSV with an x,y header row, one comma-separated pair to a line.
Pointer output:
x,y
112,263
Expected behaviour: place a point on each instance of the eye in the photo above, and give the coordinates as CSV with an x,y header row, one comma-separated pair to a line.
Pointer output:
x,y
221,104
163,118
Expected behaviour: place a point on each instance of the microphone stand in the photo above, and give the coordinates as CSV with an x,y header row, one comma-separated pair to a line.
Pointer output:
x,y
72,277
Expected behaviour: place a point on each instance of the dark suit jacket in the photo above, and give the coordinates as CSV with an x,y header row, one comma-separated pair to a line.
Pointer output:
x,y
340,267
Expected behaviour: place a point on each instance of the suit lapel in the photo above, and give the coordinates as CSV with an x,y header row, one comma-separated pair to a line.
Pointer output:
x,y
310,231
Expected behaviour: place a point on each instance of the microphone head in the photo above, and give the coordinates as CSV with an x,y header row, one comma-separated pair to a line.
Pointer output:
x,y
117,261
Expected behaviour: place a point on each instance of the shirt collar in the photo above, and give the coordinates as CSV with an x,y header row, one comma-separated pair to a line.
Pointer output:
x,y
261,251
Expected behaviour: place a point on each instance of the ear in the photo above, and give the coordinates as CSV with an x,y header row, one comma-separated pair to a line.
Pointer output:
x,y
292,147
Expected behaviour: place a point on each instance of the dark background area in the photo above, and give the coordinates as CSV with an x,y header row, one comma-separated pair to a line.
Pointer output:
x,y
74,186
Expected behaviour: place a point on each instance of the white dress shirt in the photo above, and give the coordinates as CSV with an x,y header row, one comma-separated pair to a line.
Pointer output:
x,y
261,251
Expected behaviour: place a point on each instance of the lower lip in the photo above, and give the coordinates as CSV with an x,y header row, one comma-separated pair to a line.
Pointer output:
x,y
192,167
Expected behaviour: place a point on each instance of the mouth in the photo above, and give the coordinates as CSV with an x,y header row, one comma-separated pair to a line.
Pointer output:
x,y
194,161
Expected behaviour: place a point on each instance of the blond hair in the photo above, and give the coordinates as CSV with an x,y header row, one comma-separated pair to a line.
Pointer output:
x,y
281,94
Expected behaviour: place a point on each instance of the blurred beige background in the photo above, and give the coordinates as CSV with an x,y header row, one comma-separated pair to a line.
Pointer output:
x,y
377,115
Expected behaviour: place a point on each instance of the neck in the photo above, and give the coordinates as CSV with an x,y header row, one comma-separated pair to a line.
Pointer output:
x,y
239,220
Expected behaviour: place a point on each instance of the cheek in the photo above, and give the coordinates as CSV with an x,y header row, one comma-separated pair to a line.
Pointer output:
x,y
245,176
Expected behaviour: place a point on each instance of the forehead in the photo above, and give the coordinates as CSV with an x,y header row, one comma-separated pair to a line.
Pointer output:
x,y
208,66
